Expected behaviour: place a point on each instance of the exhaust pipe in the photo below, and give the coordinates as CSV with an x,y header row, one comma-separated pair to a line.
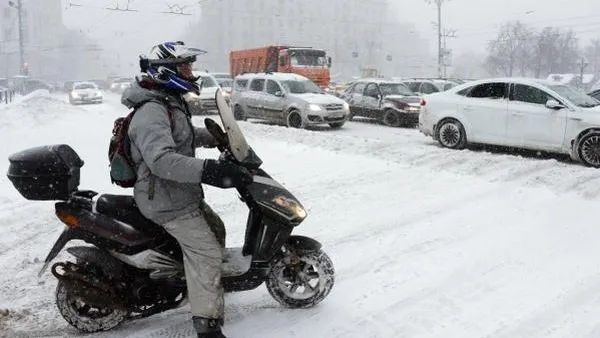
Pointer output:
x,y
90,289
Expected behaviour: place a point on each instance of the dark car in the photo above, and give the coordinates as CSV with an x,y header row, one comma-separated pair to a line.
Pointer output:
x,y
595,94
390,102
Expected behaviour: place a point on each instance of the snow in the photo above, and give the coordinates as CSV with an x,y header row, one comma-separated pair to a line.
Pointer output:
x,y
426,242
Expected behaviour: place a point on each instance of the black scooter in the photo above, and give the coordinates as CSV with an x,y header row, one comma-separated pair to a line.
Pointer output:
x,y
134,269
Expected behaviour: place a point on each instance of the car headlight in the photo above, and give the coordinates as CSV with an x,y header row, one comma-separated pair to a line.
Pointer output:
x,y
74,94
314,107
98,93
346,106
290,207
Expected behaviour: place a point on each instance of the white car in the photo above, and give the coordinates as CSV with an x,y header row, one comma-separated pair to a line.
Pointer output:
x,y
513,112
85,92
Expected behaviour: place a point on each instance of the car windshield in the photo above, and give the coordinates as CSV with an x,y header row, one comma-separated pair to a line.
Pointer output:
x,y
395,89
85,86
577,97
226,83
301,87
208,81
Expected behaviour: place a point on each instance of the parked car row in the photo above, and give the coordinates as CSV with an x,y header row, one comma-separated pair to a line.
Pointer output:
x,y
271,97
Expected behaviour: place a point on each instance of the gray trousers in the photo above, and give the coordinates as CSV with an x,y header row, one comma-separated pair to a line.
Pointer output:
x,y
202,258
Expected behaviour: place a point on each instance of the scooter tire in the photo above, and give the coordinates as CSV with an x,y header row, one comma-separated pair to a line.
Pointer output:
x,y
322,268
68,310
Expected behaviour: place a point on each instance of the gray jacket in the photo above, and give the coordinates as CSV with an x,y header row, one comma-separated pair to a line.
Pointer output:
x,y
168,173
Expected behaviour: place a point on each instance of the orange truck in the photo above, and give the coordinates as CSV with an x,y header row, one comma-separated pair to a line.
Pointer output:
x,y
306,61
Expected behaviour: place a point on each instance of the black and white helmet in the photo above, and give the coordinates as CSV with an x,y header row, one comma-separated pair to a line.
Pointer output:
x,y
173,53
170,54
162,65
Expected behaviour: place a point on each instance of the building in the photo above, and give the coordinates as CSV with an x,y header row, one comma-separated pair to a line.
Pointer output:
x,y
51,51
356,34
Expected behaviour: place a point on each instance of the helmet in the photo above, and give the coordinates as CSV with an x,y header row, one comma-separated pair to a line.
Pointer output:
x,y
169,64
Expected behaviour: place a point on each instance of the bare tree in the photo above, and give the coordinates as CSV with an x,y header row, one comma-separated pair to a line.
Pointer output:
x,y
592,54
569,52
546,52
520,50
511,52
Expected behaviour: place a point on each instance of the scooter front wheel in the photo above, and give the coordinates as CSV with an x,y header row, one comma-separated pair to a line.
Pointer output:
x,y
301,280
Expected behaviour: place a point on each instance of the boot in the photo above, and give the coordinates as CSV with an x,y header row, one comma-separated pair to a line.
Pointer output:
x,y
208,327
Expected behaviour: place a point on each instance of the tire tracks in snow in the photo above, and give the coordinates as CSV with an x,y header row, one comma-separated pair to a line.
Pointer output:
x,y
415,150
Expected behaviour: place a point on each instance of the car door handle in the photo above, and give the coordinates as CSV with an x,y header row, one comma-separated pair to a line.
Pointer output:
x,y
575,118
516,114
467,108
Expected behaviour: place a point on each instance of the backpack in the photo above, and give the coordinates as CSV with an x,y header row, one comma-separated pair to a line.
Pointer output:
x,y
122,168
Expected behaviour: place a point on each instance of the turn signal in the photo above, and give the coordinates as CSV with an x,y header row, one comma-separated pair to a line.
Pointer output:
x,y
423,102
70,220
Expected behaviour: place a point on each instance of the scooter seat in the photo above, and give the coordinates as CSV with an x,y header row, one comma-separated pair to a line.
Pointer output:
x,y
124,209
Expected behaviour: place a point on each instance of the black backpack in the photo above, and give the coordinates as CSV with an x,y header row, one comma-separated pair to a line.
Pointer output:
x,y
122,168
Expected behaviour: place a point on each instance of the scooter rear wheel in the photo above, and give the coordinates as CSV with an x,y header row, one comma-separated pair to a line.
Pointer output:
x,y
301,280
85,317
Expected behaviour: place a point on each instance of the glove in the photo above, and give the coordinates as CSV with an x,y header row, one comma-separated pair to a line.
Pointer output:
x,y
224,174
204,138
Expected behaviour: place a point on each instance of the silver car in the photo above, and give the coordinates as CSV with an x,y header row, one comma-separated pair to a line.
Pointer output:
x,y
285,98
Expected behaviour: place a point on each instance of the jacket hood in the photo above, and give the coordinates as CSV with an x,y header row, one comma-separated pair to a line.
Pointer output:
x,y
136,94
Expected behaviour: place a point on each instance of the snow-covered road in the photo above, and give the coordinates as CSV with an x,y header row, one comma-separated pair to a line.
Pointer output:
x,y
426,242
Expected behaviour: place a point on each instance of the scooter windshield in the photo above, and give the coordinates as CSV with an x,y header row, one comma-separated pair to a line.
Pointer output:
x,y
237,142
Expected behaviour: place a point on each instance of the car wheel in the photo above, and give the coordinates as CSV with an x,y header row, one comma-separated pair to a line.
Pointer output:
x,y
294,119
451,134
589,149
391,118
239,114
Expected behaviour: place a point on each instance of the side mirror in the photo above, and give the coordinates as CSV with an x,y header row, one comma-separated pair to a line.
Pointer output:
x,y
329,61
282,60
553,104
279,94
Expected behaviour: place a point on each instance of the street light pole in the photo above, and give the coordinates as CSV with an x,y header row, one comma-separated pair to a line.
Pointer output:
x,y
440,52
439,3
19,7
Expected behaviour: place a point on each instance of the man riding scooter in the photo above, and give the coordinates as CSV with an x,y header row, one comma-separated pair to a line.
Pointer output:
x,y
168,188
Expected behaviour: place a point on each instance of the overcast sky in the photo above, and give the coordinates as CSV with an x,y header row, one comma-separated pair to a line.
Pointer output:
x,y
475,21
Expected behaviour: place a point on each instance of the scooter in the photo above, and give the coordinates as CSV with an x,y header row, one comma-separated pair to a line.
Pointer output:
x,y
134,268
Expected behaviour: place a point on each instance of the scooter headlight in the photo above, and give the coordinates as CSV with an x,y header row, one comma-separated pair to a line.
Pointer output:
x,y
290,206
